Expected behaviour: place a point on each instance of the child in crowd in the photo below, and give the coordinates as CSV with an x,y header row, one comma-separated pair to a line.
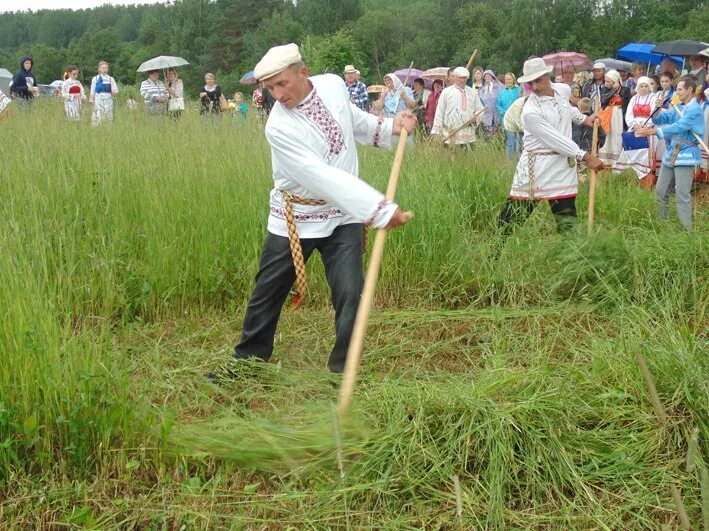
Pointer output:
x,y
238,106
583,136
103,90
72,93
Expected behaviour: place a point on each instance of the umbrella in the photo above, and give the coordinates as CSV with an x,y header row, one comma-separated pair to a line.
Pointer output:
x,y
642,52
248,78
375,89
440,72
5,78
579,62
681,47
162,62
615,64
404,73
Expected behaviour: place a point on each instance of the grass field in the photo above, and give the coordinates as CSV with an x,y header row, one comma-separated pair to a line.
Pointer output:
x,y
499,385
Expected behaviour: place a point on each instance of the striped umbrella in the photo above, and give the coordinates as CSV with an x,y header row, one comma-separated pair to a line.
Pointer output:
x,y
578,62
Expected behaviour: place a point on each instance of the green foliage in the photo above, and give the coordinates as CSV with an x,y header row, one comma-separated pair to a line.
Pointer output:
x,y
332,52
228,37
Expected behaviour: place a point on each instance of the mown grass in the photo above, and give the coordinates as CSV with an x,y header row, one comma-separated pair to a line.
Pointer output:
x,y
126,258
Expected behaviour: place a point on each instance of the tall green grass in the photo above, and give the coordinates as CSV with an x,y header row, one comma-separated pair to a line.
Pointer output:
x,y
128,252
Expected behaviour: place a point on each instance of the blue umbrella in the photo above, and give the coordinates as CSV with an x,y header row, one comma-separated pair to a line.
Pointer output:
x,y
248,78
642,52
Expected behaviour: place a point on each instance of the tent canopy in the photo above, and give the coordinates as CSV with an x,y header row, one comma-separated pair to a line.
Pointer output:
x,y
5,78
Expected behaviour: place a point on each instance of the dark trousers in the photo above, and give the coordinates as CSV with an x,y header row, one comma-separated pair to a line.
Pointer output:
x,y
341,254
516,211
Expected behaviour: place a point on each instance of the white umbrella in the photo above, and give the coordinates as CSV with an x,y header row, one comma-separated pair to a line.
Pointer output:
x,y
162,62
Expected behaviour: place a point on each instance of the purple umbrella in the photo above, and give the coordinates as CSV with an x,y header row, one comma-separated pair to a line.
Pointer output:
x,y
415,72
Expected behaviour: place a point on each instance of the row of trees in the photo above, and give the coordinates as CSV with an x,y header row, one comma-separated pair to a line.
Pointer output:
x,y
229,36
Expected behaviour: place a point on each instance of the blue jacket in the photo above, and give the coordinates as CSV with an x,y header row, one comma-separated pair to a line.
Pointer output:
x,y
22,79
506,98
679,132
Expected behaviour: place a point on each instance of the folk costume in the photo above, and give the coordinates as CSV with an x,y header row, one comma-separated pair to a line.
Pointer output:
x,y
457,105
73,96
613,109
547,166
638,115
318,202
103,88
681,158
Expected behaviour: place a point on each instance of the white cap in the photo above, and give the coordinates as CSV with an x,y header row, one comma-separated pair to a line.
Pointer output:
x,y
599,66
534,69
461,71
276,60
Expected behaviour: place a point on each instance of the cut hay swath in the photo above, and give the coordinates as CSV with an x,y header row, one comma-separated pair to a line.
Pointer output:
x,y
317,437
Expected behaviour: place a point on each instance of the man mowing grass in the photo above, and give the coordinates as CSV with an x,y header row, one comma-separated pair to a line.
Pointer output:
x,y
318,201
546,170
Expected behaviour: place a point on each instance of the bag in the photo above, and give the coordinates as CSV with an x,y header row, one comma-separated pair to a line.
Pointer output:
x,y
4,101
223,104
632,142
176,104
648,182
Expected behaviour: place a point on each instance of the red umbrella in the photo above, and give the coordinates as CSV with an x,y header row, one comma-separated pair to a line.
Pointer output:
x,y
579,62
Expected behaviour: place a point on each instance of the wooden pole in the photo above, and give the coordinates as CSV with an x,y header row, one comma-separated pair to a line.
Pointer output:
x,y
472,59
458,129
354,352
592,182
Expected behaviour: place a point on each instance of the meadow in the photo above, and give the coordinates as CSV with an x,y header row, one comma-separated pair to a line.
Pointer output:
x,y
499,387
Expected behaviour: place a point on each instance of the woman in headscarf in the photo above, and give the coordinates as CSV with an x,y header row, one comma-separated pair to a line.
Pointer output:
x,y
641,107
613,107
395,98
488,96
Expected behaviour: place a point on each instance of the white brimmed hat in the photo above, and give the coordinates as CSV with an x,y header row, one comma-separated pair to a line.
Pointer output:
x,y
534,69
350,69
276,60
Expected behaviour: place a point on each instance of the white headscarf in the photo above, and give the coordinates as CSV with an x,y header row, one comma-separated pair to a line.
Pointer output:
x,y
395,80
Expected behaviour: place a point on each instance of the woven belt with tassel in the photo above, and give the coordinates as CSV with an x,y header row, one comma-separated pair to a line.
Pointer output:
x,y
532,155
296,250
